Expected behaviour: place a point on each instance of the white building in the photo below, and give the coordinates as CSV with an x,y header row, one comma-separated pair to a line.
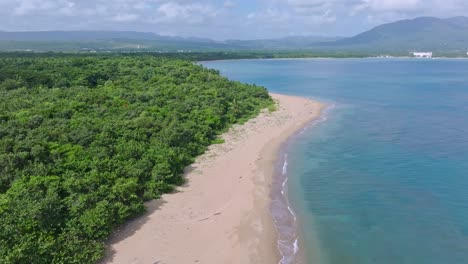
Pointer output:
x,y
422,54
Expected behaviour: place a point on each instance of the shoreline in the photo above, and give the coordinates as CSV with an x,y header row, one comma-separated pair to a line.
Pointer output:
x,y
293,232
213,219
337,58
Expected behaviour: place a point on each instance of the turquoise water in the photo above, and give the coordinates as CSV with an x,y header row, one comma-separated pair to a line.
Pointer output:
x,y
385,178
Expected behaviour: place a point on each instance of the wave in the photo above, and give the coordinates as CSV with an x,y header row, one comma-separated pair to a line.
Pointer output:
x,y
285,167
285,220
284,216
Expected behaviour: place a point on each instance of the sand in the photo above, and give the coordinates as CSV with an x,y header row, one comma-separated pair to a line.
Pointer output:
x,y
222,214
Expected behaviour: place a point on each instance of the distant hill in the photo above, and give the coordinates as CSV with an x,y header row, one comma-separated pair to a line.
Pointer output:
x,y
423,33
130,40
287,43
443,36
74,35
100,41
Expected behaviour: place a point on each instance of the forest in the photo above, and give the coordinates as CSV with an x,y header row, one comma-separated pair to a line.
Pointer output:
x,y
86,140
202,56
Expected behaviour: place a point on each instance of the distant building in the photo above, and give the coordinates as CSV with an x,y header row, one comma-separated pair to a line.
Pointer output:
x,y
422,54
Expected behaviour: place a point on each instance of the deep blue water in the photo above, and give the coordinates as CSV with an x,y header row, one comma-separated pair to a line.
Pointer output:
x,y
385,179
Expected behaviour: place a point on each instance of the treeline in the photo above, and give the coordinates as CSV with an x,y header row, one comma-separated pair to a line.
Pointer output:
x,y
203,56
85,140
190,56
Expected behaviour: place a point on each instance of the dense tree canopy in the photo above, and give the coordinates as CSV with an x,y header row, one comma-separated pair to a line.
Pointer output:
x,y
84,141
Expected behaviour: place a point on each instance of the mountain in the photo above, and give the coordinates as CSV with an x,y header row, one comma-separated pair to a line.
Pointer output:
x,y
286,43
99,41
130,40
74,35
447,36
423,33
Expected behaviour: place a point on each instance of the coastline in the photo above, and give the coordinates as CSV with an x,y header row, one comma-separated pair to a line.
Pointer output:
x,y
288,222
222,214
337,58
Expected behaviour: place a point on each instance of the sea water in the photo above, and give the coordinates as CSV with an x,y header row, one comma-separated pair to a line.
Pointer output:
x,y
384,180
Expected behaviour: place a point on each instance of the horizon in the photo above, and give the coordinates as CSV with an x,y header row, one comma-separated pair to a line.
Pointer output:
x,y
171,36
219,40
220,20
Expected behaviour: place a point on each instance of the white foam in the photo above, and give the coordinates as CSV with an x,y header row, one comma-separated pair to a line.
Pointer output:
x,y
285,164
285,169
292,212
296,246
281,243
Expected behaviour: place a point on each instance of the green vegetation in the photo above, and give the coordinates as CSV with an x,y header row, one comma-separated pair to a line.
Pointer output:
x,y
447,37
115,41
85,140
272,108
200,56
444,37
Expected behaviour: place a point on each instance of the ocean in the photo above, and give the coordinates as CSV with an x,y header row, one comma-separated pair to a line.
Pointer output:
x,y
383,178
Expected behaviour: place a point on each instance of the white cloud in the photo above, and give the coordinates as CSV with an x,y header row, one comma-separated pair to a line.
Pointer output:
x,y
25,7
229,4
395,5
125,17
184,13
220,18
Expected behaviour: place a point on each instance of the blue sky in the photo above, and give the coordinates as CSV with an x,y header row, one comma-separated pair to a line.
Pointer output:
x,y
224,19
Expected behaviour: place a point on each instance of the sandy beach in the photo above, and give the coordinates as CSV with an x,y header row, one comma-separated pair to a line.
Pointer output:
x,y
222,214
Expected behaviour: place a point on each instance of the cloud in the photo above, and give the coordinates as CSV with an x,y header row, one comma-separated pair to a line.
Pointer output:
x,y
184,13
421,7
125,17
395,5
219,19
25,7
229,4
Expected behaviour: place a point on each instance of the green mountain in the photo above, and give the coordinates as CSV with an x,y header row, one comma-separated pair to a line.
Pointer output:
x,y
423,33
286,43
443,36
100,41
74,35
42,41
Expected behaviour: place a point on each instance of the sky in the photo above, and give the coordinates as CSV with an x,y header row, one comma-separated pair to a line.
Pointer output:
x,y
223,19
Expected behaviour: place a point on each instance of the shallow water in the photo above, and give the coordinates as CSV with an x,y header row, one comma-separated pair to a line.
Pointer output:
x,y
284,217
385,178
